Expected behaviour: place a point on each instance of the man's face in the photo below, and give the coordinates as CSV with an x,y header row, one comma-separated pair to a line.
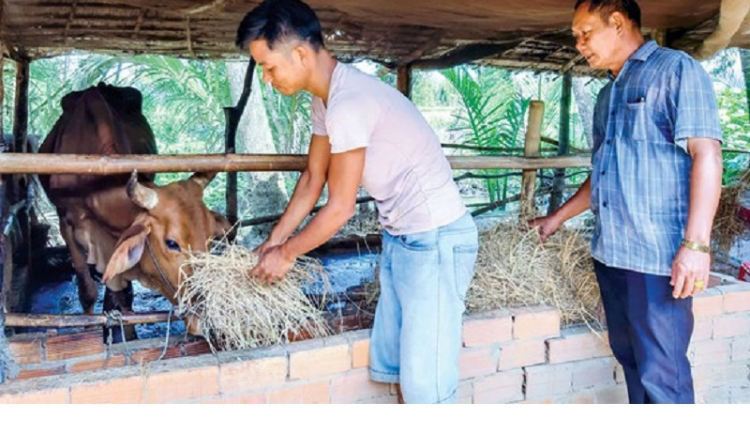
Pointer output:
x,y
282,66
596,39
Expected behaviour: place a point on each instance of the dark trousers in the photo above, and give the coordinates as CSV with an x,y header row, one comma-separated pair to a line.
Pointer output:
x,y
649,332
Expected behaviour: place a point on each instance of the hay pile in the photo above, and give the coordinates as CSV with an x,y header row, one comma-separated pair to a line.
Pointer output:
x,y
239,312
514,270
728,227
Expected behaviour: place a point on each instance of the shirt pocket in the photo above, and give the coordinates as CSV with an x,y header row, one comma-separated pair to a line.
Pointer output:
x,y
636,121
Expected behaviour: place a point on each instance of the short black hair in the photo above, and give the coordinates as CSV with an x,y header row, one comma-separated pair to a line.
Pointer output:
x,y
629,9
277,20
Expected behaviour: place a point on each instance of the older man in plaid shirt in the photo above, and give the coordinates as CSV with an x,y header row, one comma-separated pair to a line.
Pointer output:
x,y
654,190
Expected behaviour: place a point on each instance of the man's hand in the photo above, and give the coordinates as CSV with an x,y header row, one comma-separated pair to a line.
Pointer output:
x,y
273,265
266,245
690,270
546,226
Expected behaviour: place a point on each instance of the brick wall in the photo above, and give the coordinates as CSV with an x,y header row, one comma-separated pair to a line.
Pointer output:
x,y
516,356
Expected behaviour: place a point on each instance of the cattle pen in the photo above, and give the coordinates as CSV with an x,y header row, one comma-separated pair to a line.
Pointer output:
x,y
520,355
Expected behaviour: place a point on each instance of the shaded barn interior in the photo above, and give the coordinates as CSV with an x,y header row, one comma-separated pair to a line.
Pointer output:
x,y
403,35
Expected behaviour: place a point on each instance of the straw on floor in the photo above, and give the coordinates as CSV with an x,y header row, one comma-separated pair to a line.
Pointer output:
x,y
237,311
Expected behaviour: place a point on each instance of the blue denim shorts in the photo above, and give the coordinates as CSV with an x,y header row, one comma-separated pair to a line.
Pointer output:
x,y
416,336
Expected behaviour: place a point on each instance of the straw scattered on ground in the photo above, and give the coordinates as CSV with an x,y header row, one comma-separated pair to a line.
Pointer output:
x,y
237,311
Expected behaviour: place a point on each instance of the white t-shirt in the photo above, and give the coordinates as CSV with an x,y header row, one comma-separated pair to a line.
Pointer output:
x,y
405,168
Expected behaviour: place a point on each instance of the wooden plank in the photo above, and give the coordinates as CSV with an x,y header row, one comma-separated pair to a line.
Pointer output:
x,y
13,163
531,149
82,320
404,80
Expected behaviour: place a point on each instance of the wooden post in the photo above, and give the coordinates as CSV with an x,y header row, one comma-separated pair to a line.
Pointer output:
x,y
531,149
404,79
563,147
660,36
233,116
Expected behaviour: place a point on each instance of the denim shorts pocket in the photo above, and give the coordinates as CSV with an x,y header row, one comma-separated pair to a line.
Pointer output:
x,y
423,241
464,257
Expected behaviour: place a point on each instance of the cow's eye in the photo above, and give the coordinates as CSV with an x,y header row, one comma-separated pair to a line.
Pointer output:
x,y
172,245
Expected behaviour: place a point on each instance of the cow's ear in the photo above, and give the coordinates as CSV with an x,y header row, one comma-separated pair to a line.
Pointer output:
x,y
203,178
128,251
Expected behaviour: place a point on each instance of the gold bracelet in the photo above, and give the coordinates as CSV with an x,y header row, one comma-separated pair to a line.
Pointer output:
x,y
695,246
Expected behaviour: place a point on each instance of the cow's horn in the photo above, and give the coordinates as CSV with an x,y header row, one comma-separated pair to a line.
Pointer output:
x,y
142,196
203,178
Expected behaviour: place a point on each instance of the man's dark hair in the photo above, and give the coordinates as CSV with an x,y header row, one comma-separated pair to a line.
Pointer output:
x,y
628,8
277,20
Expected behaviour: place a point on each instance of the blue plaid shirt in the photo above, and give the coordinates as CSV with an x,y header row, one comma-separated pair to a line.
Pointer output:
x,y
640,181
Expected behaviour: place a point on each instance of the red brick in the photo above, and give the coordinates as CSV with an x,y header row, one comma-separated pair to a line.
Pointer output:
x,y
710,352
361,353
593,373
247,398
465,392
741,349
384,399
577,344
732,325
73,345
114,361
615,394
703,330
539,321
26,350
487,328
182,385
478,361
252,374
547,381
520,353
355,386
115,391
301,393
737,301
316,362
503,387
43,370
55,396
707,304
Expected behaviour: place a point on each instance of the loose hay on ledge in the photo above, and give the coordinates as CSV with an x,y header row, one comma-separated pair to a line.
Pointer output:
x,y
514,269
728,226
237,311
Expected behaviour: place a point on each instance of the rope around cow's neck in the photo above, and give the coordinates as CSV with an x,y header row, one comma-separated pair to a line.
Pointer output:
x,y
164,278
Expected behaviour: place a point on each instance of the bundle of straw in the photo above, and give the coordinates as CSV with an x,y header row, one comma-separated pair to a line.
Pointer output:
x,y
237,311
514,269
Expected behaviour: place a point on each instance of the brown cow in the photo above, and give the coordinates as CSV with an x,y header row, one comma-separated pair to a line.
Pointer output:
x,y
124,228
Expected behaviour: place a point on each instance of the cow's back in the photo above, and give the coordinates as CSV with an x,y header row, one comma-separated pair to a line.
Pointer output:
x,y
102,120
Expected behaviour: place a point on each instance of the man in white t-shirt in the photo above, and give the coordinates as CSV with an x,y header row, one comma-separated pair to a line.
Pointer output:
x,y
366,132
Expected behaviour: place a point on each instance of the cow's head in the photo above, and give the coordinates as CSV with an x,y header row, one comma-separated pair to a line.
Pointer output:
x,y
174,222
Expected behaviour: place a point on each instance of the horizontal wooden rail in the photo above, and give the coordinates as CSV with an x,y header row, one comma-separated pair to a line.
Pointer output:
x,y
83,320
19,163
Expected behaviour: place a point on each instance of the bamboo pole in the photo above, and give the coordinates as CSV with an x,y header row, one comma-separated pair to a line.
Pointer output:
x,y
64,321
556,198
531,149
14,163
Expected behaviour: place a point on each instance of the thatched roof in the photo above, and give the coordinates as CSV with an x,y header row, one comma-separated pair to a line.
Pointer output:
x,y
425,33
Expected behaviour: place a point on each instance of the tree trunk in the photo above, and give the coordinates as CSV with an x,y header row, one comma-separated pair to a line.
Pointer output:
x,y
260,193
585,104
